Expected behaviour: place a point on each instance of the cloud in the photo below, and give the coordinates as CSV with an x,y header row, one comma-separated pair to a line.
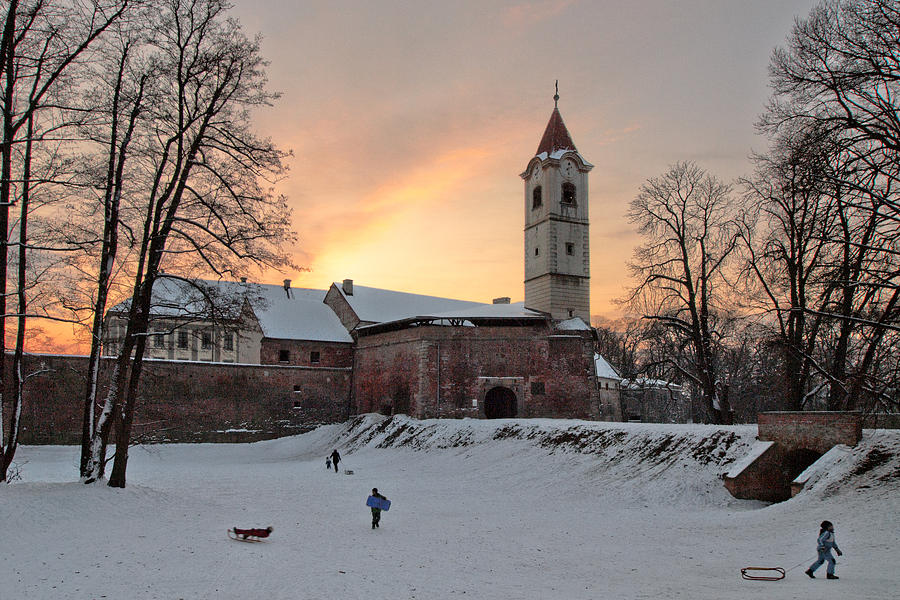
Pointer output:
x,y
613,136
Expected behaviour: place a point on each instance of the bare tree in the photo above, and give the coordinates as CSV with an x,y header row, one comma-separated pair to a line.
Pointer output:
x,y
42,42
838,78
686,219
205,207
126,92
786,228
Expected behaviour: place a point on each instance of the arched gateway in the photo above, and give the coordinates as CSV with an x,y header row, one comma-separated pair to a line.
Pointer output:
x,y
500,403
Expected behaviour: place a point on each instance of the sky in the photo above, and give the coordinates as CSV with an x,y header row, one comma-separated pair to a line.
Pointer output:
x,y
410,122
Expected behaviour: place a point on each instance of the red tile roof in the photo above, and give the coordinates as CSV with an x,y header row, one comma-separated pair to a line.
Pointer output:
x,y
556,136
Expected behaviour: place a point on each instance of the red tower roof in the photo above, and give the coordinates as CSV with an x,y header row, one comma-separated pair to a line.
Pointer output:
x,y
556,136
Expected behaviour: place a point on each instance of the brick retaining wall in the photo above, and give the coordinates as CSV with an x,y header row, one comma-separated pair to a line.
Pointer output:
x,y
188,401
817,431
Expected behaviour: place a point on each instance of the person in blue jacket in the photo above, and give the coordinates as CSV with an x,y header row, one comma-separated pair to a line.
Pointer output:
x,y
824,545
376,512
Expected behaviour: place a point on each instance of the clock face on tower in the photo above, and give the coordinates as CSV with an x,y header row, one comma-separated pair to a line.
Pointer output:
x,y
568,169
536,173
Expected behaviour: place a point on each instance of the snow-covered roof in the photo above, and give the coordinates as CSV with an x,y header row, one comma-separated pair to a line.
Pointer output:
x,y
477,315
604,369
515,310
381,306
302,315
558,154
573,324
198,298
294,314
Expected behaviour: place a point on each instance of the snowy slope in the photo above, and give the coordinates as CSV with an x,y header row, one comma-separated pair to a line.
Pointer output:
x,y
481,509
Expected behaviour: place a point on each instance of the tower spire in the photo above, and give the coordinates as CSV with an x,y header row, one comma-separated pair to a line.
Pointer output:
x,y
556,136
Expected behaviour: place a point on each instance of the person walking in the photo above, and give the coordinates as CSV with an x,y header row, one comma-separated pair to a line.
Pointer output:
x,y
376,511
335,459
824,545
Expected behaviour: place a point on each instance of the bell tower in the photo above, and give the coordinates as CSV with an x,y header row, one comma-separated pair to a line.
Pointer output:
x,y
557,251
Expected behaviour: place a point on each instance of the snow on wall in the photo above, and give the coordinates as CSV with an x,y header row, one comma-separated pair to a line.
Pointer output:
x,y
822,465
757,450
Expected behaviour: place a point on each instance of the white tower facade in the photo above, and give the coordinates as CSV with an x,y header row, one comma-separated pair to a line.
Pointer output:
x,y
557,246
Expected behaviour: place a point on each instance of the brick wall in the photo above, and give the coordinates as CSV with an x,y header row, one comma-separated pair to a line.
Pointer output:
x,y
799,439
817,431
342,308
447,371
300,353
188,401
764,479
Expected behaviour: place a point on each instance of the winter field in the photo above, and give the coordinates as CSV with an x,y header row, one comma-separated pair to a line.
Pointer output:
x,y
481,509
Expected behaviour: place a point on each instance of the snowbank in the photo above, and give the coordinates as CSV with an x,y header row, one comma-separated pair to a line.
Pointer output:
x,y
481,509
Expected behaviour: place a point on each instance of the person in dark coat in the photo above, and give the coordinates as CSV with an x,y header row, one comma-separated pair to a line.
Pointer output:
x,y
824,544
376,512
335,459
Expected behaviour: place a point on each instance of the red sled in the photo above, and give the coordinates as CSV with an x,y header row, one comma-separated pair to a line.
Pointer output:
x,y
249,535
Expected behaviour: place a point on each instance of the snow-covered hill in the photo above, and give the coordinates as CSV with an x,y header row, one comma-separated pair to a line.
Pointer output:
x,y
482,509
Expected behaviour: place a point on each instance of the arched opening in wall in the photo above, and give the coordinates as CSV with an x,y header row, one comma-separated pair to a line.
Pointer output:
x,y
796,461
500,403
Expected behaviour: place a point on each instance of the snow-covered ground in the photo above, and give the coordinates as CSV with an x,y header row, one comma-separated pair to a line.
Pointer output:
x,y
481,509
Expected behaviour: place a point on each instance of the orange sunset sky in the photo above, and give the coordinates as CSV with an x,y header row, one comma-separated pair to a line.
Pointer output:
x,y
410,122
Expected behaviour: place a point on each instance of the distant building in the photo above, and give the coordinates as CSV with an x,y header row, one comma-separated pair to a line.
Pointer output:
x,y
609,383
238,322
655,401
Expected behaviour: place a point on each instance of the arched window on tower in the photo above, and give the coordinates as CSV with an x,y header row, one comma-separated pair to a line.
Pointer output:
x,y
536,200
568,193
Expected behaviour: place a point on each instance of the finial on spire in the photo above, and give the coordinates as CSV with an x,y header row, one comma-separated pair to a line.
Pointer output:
x,y
556,95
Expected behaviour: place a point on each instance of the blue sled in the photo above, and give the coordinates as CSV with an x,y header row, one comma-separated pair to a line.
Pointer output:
x,y
378,503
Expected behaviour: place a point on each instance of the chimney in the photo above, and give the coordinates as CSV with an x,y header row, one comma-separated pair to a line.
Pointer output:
x,y
348,287
287,284
503,300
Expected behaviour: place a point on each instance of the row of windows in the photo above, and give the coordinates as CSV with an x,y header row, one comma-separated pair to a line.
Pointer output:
x,y
568,195
284,356
182,340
